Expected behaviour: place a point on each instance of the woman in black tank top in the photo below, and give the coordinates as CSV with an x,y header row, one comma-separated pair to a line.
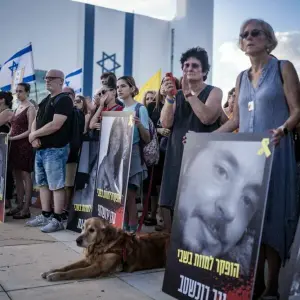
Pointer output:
x,y
197,107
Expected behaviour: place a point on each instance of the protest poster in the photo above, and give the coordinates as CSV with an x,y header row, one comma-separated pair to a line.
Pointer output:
x,y
82,202
3,170
295,287
219,216
113,166
35,199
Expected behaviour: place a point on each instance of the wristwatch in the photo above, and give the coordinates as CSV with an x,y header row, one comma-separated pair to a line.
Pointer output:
x,y
284,129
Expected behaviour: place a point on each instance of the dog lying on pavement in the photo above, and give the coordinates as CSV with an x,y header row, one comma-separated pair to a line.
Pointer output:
x,y
110,250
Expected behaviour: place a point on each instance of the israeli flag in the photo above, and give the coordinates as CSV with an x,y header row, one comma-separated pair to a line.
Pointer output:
x,y
74,80
19,68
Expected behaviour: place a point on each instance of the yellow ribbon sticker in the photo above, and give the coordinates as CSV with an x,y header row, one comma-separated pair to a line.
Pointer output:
x,y
264,148
130,122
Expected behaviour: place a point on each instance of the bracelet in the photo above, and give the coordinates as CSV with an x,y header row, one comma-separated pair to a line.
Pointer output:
x,y
171,101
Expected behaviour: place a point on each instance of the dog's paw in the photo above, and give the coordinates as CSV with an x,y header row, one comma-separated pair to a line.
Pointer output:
x,y
53,277
45,274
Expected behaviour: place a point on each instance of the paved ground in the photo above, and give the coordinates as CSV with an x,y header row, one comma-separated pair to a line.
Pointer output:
x,y
27,252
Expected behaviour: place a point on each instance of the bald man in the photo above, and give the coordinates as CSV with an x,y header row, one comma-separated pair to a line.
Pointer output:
x,y
70,91
50,135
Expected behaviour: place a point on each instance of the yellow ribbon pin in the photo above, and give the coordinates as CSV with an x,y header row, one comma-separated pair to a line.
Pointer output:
x,y
130,122
264,148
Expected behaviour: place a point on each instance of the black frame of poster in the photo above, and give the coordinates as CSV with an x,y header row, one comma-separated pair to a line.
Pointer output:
x,y
4,150
109,202
79,211
224,271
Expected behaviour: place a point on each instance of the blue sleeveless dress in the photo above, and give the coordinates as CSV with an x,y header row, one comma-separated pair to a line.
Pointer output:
x,y
271,111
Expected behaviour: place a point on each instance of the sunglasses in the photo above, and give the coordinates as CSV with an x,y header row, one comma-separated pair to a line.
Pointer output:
x,y
50,78
253,33
103,92
193,65
77,101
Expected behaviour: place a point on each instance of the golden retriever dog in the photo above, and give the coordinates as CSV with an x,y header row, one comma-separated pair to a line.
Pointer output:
x,y
109,250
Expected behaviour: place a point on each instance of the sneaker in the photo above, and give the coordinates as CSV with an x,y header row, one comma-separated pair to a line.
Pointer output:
x,y
38,221
52,226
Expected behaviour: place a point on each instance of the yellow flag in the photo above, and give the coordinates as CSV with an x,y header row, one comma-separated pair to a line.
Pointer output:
x,y
153,84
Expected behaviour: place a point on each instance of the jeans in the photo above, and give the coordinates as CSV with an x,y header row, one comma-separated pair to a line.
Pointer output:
x,y
50,167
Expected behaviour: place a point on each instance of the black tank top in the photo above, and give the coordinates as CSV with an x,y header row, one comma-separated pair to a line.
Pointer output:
x,y
184,120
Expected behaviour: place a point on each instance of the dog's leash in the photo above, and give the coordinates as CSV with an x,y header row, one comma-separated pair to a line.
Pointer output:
x,y
146,202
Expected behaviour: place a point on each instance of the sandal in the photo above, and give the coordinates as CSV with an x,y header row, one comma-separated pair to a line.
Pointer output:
x,y
13,211
22,215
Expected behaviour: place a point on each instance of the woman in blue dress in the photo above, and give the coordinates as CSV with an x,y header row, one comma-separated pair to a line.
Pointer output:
x,y
268,99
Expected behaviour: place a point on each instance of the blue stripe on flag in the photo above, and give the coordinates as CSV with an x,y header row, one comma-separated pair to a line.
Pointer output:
x,y
89,36
29,78
74,73
25,80
6,88
20,53
129,37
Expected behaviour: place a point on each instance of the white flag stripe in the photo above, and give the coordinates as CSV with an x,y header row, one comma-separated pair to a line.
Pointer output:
x,y
74,80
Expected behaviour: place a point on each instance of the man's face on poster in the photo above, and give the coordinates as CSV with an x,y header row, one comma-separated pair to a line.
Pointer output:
x,y
221,194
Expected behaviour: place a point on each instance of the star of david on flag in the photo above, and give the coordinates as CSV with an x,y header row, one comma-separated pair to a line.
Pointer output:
x,y
19,67
108,60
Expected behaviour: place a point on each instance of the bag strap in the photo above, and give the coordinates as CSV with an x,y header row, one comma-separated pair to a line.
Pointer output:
x,y
279,71
137,109
137,114
58,97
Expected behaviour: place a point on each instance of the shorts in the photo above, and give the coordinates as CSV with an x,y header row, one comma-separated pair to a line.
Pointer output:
x,y
71,170
50,167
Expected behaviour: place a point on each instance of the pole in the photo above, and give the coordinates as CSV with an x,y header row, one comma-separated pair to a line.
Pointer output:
x,y
35,85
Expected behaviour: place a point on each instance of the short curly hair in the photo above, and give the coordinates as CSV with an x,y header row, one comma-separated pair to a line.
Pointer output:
x,y
200,54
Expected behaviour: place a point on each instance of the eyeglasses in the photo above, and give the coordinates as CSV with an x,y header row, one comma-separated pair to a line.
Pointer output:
x,y
193,65
103,92
253,33
50,78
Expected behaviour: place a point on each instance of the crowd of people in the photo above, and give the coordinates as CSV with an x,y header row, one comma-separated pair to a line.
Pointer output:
x,y
265,98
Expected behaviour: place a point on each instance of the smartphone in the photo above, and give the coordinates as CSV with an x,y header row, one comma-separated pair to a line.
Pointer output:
x,y
170,75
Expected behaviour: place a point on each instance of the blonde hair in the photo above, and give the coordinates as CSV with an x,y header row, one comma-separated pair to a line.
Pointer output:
x,y
266,28
145,96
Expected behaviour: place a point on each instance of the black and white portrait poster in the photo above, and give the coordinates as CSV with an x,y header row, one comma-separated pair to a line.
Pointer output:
x,y
113,166
295,288
219,215
82,202
3,170
35,200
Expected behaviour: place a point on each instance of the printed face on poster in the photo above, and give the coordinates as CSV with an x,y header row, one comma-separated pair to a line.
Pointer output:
x,y
219,216
82,202
295,288
113,166
3,170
